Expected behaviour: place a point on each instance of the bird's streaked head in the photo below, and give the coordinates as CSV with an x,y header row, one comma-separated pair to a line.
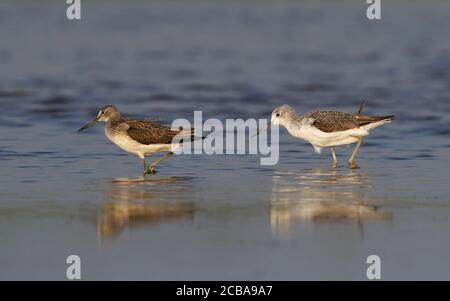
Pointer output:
x,y
280,115
105,114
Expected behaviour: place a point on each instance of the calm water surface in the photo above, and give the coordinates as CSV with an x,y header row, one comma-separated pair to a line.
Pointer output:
x,y
223,217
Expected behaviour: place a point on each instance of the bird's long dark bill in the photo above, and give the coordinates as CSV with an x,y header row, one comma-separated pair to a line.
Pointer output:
x,y
264,129
88,125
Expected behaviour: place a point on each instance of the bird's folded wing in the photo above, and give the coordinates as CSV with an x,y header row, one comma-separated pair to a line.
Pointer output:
x,y
330,121
148,132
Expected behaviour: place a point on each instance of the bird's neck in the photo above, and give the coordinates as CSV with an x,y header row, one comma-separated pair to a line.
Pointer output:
x,y
296,125
113,118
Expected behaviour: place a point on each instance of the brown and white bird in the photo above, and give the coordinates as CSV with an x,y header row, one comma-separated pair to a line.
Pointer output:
x,y
140,137
329,128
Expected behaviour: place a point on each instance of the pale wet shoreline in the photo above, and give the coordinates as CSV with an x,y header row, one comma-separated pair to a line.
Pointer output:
x,y
316,209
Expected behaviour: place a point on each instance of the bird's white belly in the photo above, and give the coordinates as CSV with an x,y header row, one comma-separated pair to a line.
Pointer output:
x,y
134,147
321,139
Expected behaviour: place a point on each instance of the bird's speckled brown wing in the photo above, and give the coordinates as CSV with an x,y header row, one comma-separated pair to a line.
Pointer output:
x,y
150,132
332,121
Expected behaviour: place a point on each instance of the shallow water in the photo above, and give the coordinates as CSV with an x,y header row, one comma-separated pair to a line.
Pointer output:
x,y
223,217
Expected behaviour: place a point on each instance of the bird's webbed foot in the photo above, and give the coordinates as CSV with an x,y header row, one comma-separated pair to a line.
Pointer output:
x,y
151,170
353,165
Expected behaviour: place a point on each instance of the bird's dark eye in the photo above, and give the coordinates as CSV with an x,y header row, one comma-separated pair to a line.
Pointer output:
x,y
277,114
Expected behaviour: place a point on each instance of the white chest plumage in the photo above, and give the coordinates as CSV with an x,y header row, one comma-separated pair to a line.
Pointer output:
x,y
123,141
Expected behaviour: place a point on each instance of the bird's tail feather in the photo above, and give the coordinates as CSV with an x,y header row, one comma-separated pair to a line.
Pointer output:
x,y
364,120
387,118
375,121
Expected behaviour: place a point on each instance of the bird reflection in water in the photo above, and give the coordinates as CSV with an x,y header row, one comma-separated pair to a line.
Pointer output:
x,y
130,203
318,196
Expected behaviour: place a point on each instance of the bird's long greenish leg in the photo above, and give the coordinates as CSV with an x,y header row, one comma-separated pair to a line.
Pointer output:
x,y
153,164
351,160
145,166
333,153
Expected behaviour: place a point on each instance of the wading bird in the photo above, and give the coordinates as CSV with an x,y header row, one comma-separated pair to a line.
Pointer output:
x,y
140,137
328,128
